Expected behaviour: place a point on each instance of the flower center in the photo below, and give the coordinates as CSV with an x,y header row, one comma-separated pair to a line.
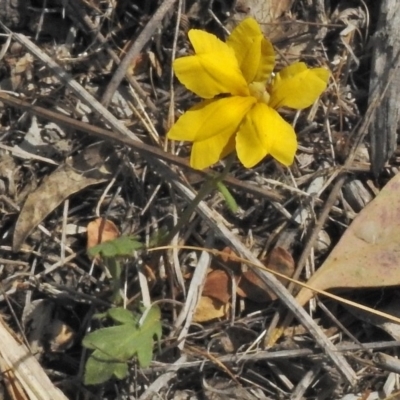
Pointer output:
x,y
258,90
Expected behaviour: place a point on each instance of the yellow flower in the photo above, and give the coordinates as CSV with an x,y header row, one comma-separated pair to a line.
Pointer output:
x,y
241,98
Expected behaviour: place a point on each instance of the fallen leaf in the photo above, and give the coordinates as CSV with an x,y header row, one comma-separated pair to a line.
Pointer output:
x,y
99,231
252,287
22,69
57,187
218,286
209,308
139,64
10,172
85,170
215,298
368,253
216,295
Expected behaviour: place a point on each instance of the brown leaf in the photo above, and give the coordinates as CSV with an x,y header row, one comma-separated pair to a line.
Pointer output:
x,y
209,308
252,286
280,260
214,302
58,186
218,286
368,253
101,230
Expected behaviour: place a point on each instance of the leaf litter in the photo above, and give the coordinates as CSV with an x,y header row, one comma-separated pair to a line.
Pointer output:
x,y
297,221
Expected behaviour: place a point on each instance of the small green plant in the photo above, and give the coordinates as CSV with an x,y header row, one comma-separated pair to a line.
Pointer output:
x,y
124,246
115,346
132,333
111,252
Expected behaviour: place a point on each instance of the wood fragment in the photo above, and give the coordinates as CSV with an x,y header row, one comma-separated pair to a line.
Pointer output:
x,y
142,148
136,48
27,370
385,60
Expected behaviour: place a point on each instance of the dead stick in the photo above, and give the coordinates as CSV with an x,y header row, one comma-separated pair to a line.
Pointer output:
x,y
140,147
135,50
77,8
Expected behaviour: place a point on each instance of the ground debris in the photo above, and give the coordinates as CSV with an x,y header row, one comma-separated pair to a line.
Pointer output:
x,y
87,95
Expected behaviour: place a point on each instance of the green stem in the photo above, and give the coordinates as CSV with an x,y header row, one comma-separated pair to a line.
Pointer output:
x,y
114,267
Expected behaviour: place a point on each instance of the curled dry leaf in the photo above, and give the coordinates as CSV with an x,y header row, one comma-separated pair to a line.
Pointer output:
x,y
367,254
57,187
214,302
90,167
218,286
209,308
217,291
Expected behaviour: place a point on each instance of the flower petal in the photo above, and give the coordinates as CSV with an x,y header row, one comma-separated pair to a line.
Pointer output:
x,y
213,70
207,152
297,86
253,51
211,125
210,118
263,132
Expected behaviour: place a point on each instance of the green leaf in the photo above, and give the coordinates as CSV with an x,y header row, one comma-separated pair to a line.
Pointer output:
x,y
99,369
116,345
123,316
144,357
123,246
114,341
151,322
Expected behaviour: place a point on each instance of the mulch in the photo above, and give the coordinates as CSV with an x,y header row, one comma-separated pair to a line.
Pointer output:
x,y
87,95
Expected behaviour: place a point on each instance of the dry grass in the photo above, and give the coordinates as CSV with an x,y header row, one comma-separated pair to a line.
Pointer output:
x,y
107,64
